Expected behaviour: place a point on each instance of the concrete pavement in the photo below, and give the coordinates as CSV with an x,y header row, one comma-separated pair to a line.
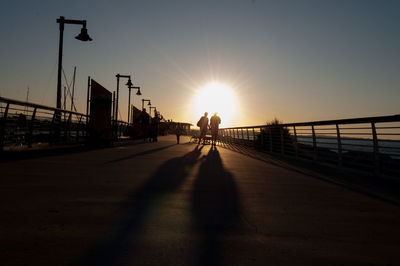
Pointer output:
x,y
167,204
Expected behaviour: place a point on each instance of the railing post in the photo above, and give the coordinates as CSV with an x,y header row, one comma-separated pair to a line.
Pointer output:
x,y
262,132
282,144
66,127
270,139
118,130
339,143
376,149
296,146
248,137
3,127
314,138
30,136
254,136
78,128
243,141
69,125
52,128
237,136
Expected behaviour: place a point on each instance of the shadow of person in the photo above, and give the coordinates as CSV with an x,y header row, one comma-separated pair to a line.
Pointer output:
x,y
122,240
215,206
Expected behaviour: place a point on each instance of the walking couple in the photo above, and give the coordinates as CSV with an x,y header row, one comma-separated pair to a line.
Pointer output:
x,y
215,120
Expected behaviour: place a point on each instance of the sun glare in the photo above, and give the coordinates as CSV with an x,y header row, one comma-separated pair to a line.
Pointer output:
x,y
216,97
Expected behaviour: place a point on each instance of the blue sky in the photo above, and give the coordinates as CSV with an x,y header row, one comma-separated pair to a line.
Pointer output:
x,y
294,60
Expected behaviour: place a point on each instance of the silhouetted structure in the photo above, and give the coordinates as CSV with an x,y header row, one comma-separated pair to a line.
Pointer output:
x,y
144,119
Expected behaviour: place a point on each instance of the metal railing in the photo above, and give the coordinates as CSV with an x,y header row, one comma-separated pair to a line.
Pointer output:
x,y
370,144
24,124
27,124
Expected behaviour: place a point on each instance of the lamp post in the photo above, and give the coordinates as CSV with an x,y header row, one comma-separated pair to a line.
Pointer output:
x,y
155,110
83,36
145,100
129,100
129,84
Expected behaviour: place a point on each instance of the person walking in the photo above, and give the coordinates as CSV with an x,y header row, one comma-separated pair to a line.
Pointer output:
x,y
155,122
215,120
178,132
203,125
145,122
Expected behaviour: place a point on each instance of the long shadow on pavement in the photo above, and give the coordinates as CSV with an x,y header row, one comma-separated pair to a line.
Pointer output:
x,y
215,206
9,156
121,243
141,153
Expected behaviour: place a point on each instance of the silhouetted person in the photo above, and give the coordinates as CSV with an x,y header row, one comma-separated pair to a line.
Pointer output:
x,y
203,124
155,121
144,119
215,120
178,132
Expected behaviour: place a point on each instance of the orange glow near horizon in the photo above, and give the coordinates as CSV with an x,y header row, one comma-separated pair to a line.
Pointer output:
x,y
216,97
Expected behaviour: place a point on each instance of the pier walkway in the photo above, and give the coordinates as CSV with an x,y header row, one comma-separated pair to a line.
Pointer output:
x,y
167,204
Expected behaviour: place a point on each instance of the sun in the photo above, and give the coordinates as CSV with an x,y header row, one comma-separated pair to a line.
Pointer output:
x,y
216,97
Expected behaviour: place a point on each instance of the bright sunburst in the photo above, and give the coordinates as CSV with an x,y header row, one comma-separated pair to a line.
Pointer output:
x,y
216,97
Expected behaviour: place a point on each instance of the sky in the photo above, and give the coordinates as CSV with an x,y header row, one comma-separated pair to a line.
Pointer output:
x,y
294,60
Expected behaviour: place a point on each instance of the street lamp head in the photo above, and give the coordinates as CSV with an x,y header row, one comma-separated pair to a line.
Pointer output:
x,y
138,92
129,83
83,36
